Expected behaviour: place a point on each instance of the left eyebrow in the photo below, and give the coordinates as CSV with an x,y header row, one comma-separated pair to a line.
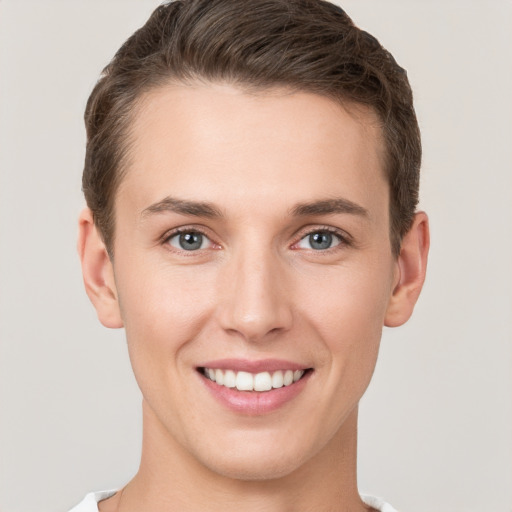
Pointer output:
x,y
183,207
327,207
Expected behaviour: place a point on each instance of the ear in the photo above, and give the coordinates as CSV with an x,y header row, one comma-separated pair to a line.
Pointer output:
x,y
98,272
411,269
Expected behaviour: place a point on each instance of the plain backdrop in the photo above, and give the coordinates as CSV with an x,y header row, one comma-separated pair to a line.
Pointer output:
x,y
436,423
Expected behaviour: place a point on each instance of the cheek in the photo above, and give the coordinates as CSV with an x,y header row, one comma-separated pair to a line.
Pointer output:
x,y
163,310
351,304
161,296
349,316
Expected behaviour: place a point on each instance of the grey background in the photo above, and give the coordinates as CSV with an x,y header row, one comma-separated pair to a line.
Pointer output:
x,y
436,423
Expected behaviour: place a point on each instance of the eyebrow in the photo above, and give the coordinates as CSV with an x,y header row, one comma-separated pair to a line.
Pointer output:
x,y
327,207
194,208
209,210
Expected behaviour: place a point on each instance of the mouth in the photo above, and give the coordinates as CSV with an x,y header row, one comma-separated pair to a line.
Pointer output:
x,y
259,382
254,387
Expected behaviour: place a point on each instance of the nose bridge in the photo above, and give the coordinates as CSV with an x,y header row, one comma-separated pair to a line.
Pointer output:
x,y
254,283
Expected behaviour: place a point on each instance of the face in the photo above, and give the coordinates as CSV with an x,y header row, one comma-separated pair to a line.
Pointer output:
x,y
253,271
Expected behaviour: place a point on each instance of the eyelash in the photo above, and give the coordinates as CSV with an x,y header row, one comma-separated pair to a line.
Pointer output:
x,y
344,239
183,230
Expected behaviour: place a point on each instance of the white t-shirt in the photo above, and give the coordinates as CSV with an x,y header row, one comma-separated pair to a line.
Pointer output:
x,y
90,502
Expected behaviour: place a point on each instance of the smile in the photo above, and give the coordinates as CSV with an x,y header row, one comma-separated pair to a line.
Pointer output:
x,y
245,381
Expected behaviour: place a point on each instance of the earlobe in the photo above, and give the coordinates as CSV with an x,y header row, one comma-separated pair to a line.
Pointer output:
x,y
412,266
98,272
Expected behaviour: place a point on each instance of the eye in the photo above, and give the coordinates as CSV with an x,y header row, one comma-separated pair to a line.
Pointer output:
x,y
189,241
320,241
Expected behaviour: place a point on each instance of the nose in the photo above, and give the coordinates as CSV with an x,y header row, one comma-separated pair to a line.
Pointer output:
x,y
255,295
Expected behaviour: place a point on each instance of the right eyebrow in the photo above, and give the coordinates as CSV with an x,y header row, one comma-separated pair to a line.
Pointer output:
x,y
183,207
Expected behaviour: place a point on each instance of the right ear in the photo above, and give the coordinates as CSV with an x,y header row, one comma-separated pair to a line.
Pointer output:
x,y
98,272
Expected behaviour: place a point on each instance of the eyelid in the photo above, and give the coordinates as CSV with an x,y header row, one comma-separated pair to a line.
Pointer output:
x,y
187,229
345,239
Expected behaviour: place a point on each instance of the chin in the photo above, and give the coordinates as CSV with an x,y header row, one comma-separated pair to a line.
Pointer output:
x,y
256,461
250,470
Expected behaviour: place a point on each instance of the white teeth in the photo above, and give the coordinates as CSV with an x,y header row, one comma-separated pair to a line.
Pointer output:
x,y
219,377
262,381
229,378
245,381
277,380
297,374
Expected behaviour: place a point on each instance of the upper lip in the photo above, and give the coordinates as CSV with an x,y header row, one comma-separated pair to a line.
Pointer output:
x,y
253,366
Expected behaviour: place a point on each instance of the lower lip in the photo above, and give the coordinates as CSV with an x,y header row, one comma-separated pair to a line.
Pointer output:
x,y
255,402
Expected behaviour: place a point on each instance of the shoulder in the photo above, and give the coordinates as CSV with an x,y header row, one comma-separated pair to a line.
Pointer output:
x,y
90,502
377,503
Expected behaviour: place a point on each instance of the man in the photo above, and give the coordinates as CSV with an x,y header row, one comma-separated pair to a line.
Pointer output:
x,y
251,177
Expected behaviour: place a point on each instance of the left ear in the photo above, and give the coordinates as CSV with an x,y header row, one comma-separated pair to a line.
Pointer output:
x,y
412,267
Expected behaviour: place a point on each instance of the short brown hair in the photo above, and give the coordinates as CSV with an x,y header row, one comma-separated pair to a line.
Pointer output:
x,y
306,45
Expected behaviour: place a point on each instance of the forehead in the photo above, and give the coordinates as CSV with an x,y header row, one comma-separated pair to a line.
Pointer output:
x,y
210,139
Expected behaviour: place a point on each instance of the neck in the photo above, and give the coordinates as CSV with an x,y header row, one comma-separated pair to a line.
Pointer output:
x,y
169,478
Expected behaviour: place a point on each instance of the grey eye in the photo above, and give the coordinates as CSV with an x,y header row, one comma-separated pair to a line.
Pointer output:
x,y
319,241
189,241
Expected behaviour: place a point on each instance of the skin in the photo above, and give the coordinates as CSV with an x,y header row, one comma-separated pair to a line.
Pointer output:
x,y
256,289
